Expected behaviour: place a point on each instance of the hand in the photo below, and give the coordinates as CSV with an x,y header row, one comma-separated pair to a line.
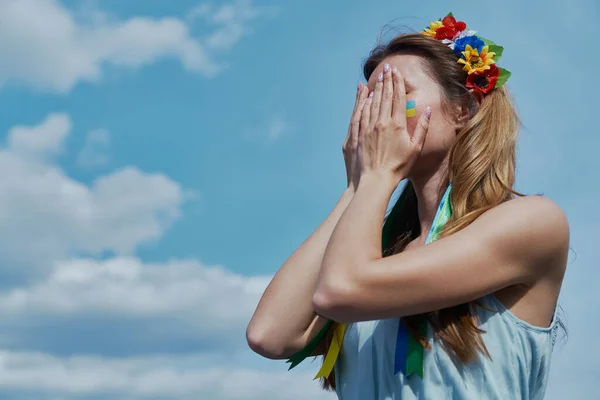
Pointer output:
x,y
349,148
384,144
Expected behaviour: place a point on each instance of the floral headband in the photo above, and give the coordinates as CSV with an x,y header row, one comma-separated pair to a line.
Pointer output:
x,y
478,55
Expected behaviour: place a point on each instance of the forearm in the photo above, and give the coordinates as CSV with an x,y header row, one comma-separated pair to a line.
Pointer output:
x,y
285,310
356,239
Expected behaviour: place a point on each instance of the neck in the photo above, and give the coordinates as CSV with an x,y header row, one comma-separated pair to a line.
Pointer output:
x,y
427,190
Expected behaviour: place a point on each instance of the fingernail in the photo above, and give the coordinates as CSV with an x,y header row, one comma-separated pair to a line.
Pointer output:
x,y
386,68
380,77
371,94
394,71
359,86
428,112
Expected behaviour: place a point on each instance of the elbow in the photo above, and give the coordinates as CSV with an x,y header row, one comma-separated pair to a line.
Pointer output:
x,y
333,302
263,345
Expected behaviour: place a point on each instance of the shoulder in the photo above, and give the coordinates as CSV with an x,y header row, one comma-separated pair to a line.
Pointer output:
x,y
537,217
533,228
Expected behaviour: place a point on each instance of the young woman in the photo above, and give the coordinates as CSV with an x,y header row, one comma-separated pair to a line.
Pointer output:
x,y
456,297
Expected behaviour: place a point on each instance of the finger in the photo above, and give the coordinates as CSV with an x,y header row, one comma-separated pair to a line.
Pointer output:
x,y
355,123
385,110
361,95
418,138
399,98
375,104
366,115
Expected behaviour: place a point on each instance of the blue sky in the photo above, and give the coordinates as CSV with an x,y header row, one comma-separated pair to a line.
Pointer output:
x,y
162,159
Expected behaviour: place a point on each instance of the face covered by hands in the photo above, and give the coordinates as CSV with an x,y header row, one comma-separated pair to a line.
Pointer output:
x,y
384,144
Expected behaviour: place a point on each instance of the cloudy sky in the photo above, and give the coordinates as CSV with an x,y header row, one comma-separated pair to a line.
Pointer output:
x,y
162,159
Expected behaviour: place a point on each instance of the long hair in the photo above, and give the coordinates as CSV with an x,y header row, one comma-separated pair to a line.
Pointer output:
x,y
481,167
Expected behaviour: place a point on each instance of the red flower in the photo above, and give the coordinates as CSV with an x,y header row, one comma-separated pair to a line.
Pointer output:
x,y
450,29
484,81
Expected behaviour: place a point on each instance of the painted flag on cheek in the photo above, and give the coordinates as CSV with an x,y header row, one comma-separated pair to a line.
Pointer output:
x,y
411,108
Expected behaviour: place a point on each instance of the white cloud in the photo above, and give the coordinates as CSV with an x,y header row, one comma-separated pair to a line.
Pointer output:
x,y
95,150
217,298
175,304
45,214
233,21
43,140
184,377
44,45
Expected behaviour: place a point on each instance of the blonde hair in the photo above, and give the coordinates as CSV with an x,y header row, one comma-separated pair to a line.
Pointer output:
x,y
481,168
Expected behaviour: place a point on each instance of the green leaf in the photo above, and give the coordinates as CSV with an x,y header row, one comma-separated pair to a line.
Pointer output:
x,y
496,49
504,75
450,14
488,42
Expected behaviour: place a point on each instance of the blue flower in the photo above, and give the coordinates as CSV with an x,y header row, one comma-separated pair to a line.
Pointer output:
x,y
461,44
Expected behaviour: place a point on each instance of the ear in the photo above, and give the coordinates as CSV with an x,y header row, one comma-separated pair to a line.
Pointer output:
x,y
464,114
477,95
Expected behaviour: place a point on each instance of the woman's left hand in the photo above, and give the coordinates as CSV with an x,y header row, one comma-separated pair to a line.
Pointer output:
x,y
384,144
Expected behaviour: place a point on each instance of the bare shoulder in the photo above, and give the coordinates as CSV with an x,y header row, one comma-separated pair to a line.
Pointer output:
x,y
536,228
542,217
545,243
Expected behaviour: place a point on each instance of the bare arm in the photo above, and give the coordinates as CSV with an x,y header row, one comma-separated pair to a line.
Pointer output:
x,y
285,320
517,242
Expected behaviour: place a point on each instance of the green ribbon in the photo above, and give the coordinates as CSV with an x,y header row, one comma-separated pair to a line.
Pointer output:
x,y
309,348
386,234
415,356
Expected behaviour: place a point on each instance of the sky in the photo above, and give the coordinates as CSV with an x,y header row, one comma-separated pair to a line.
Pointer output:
x,y
162,159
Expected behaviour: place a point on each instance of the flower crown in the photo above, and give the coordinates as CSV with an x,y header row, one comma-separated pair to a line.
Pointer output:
x,y
478,55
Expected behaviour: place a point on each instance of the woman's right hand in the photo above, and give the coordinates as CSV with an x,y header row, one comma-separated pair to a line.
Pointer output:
x,y
349,148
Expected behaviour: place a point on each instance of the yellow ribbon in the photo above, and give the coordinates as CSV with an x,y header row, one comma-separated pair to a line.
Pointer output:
x,y
332,354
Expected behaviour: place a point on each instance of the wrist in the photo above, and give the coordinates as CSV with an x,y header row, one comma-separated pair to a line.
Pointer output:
x,y
380,178
349,192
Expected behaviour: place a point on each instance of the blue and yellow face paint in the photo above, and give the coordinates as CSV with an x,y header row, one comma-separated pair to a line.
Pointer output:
x,y
411,108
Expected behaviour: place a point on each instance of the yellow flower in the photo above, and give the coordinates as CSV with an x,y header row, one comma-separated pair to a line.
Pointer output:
x,y
476,62
433,27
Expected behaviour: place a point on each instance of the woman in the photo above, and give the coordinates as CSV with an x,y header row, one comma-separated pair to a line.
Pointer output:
x,y
460,302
